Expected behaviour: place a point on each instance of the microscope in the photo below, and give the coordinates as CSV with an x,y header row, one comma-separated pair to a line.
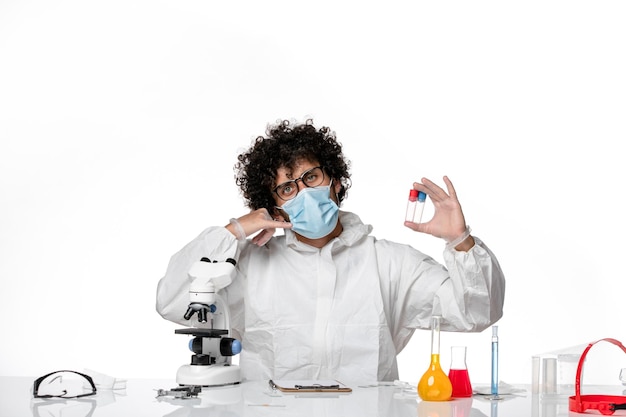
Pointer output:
x,y
212,347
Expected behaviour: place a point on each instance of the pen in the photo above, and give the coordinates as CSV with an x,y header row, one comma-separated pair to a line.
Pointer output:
x,y
316,386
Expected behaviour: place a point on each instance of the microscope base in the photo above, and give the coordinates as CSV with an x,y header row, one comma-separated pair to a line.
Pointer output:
x,y
208,375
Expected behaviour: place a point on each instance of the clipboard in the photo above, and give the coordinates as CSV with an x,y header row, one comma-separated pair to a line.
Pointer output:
x,y
308,385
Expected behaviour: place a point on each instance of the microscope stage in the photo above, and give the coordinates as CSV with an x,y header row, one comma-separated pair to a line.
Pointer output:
x,y
202,332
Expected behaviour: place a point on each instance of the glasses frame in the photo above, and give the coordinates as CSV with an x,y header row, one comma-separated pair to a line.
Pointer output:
x,y
39,380
300,178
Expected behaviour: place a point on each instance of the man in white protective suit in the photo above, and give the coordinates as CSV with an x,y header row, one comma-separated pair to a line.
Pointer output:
x,y
326,299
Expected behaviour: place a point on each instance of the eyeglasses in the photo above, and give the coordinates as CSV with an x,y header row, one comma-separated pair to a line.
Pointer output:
x,y
314,177
64,384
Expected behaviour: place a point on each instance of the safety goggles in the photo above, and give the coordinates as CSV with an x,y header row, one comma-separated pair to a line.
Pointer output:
x,y
64,384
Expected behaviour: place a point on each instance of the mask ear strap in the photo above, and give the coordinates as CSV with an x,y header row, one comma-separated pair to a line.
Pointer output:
x,y
282,211
336,192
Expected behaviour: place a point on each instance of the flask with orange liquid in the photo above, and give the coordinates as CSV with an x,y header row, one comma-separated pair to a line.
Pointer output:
x,y
435,384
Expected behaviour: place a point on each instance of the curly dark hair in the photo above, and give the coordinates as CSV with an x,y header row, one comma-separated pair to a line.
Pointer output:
x,y
282,147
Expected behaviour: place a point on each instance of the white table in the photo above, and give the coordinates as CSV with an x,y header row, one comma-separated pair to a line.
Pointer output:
x,y
255,399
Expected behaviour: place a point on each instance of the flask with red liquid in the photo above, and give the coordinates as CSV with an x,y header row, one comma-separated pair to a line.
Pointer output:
x,y
458,374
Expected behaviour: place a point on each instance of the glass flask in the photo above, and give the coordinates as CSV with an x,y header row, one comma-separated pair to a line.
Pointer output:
x,y
434,384
458,374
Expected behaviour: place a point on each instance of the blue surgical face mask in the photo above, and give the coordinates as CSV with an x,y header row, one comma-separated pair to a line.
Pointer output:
x,y
312,212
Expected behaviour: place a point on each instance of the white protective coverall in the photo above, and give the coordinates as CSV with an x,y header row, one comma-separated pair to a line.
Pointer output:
x,y
343,311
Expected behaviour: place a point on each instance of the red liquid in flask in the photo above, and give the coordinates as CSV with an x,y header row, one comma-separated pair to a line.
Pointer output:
x,y
461,385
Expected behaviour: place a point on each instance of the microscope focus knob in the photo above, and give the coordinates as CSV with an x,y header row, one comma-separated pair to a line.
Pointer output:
x,y
230,346
226,346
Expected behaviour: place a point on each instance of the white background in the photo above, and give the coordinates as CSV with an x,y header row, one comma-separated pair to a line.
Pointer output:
x,y
120,123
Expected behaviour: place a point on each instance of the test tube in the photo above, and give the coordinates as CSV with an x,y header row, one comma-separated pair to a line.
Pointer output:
x,y
536,368
549,375
415,206
494,361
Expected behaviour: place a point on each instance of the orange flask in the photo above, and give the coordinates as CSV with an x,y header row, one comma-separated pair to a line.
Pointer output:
x,y
435,384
